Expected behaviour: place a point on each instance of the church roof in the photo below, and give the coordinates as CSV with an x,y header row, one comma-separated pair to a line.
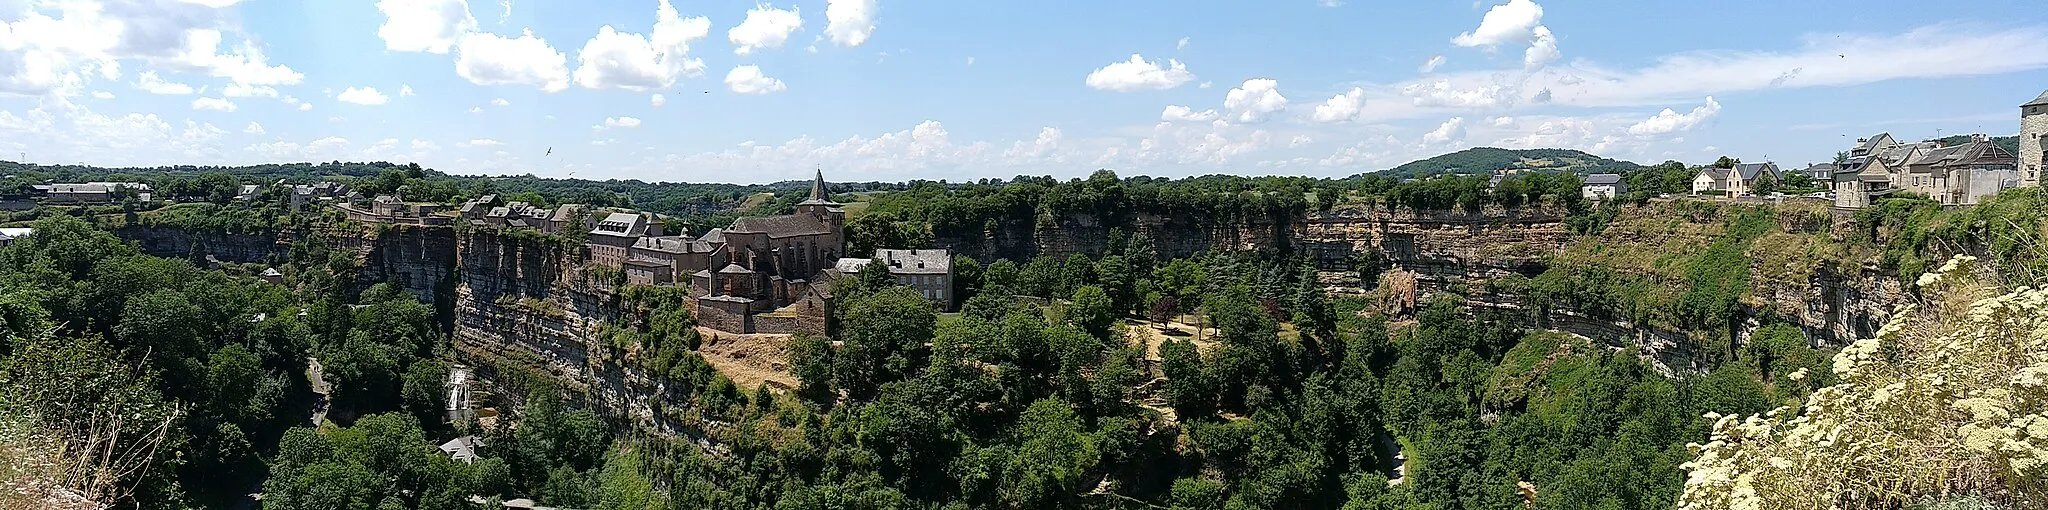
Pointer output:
x,y
818,194
735,269
780,226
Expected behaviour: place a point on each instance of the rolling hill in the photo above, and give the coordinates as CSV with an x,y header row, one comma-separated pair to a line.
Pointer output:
x,y
1486,160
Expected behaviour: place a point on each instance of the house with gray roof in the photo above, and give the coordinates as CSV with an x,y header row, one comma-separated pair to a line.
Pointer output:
x,y
1740,180
929,272
1603,187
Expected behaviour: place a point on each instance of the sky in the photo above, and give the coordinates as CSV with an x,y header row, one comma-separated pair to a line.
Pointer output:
x,y
732,91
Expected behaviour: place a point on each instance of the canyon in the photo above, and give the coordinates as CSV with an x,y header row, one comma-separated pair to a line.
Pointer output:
x,y
518,305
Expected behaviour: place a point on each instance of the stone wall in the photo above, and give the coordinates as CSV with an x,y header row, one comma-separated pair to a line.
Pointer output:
x,y
176,242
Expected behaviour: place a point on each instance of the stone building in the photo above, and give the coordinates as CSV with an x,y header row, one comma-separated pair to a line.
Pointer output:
x,y
662,260
1964,173
2033,154
929,272
762,265
611,241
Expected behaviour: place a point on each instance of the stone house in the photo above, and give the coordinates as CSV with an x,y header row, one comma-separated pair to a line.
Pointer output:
x,y
663,260
612,239
1963,174
929,272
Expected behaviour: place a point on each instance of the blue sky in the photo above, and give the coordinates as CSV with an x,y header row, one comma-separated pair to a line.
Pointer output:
x,y
891,90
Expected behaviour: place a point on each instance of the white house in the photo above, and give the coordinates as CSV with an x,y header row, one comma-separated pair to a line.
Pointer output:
x,y
1603,187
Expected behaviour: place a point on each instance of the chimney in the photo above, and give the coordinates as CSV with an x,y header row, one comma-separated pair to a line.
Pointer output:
x,y
1977,137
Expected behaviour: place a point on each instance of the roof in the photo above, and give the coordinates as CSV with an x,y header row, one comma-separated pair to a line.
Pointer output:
x,y
78,188
726,298
462,448
621,224
672,244
2038,101
916,261
789,225
1935,156
1715,172
714,236
1750,170
735,269
851,266
818,194
565,211
271,271
1872,142
1603,179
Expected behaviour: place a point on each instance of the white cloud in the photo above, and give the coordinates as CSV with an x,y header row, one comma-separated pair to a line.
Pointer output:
x,y
432,26
213,103
1178,113
490,59
404,90
366,96
481,142
657,100
625,60
148,81
241,90
1182,45
970,61
1542,50
1503,121
1667,121
500,102
305,106
1204,85
850,22
1342,107
1042,149
1136,74
254,128
1441,93
765,28
617,122
1300,141
1255,99
217,4
1505,23
749,80
101,94
476,109
1431,65
245,64
1452,130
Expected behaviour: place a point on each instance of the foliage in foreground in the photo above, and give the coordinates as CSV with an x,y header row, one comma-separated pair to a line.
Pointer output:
x,y
1950,397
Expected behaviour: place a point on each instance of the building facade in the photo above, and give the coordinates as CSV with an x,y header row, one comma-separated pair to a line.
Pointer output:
x,y
929,272
1603,187
2033,154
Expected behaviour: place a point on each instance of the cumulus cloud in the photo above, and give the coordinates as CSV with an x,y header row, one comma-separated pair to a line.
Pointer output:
x,y
1039,150
1136,74
148,81
1254,100
1542,50
500,102
764,28
1342,107
1299,141
749,80
850,22
1182,45
1667,121
101,94
1431,65
481,142
614,59
491,59
305,106
1452,130
244,64
1503,121
617,122
432,26
1510,22
213,103
657,100
404,90
366,96
1178,113
1441,93
254,128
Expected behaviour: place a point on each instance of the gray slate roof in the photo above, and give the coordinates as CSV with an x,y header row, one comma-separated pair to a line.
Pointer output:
x,y
1603,179
2038,101
916,261
780,226
1750,170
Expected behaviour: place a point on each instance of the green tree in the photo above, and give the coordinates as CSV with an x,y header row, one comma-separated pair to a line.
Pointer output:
x,y
1092,311
424,390
883,339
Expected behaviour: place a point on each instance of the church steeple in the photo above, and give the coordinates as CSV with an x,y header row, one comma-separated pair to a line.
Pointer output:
x,y
818,186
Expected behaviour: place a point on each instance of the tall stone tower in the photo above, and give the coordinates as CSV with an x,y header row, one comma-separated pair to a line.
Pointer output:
x,y
2033,127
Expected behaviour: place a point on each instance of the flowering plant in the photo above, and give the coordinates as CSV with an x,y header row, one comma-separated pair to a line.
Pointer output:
x,y
1950,397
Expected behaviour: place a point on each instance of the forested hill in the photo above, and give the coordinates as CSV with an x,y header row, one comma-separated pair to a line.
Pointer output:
x,y
1486,160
